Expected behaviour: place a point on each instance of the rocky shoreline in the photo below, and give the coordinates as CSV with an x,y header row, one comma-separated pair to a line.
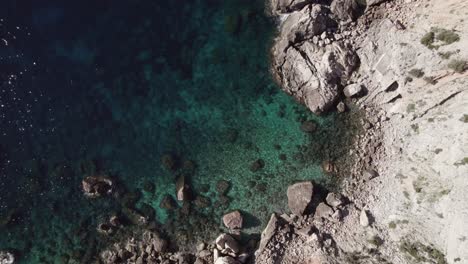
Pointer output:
x,y
339,56
401,66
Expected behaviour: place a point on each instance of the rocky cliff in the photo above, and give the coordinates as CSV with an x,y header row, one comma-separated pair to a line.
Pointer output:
x,y
403,63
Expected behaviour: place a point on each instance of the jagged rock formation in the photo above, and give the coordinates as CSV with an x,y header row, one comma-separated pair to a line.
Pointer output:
x,y
312,60
405,192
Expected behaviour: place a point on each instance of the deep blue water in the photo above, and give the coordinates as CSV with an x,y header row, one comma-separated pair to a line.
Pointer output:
x,y
114,87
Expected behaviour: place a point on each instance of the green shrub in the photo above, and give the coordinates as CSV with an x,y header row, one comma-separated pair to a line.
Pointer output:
x,y
430,80
447,36
418,73
458,65
428,39
446,55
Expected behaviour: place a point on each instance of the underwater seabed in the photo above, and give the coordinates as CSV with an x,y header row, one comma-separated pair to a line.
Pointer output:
x,y
174,91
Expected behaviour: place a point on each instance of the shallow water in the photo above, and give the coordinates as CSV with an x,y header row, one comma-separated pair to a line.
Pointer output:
x,y
122,87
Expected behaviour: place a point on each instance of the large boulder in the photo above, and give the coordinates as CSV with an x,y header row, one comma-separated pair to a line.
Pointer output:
x,y
300,196
227,244
233,220
345,10
97,186
310,71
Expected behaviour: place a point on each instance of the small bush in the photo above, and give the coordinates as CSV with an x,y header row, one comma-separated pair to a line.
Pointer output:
x,y
447,36
410,108
428,39
418,73
430,80
446,55
458,65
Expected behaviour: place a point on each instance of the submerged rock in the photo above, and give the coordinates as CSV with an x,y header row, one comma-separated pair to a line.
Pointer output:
x,y
222,187
233,220
257,165
202,201
299,197
308,126
97,186
168,202
169,162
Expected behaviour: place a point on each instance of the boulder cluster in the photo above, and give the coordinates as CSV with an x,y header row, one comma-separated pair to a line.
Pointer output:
x,y
313,56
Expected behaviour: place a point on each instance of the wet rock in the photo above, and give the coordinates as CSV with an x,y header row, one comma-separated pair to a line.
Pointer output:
x,y
299,197
323,211
223,200
346,10
257,165
364,218
233,220
226,260
129,199
105,229
353,90
222,186
147,210
97,186
308,126
202,201
225,242
182,189
334,199
6,257
134,216
328,166
201,246
168,203
341,107
115,221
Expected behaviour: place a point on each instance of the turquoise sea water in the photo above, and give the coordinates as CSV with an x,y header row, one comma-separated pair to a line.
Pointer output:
x,y
121,88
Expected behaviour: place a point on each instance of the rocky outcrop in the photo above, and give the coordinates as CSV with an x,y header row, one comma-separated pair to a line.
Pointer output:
x,y
7,257
233,220
97,186
311,60
299,197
